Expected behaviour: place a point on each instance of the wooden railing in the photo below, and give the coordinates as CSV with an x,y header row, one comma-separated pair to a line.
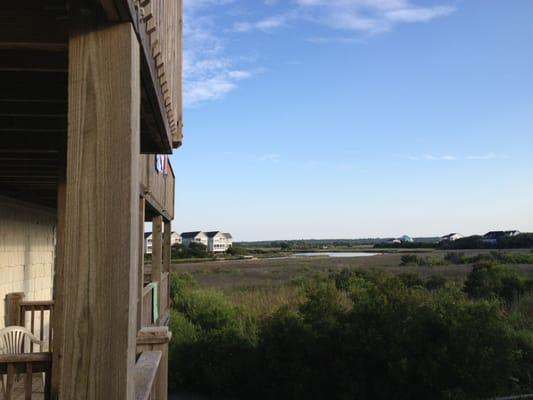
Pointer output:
x,y
158,187
37,317
145,373
151,377
28,364
163,302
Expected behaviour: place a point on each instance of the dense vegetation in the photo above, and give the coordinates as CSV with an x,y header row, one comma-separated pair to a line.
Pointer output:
x,y
356,334
193,250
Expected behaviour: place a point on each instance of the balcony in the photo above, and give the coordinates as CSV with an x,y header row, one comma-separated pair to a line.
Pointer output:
x,y
28,376
157,187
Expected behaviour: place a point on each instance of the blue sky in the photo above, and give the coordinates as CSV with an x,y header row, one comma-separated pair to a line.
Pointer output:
x,y
356,118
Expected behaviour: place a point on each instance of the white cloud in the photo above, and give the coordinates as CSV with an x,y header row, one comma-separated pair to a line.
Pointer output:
x,y
488,156
431,157
447,157
208,72
272,157
367,16
266,24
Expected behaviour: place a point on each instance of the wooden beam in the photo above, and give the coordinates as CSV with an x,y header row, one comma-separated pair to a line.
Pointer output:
x,y
98,320
140,283
59,263
33,60
33,124
167,250
24,142
157,254
33,109
17,86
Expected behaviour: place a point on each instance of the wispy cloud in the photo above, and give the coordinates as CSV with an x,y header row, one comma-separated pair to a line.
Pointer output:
x,y
266,24
312,165
448,157
431,157
208,71
488,156
366,16
271,157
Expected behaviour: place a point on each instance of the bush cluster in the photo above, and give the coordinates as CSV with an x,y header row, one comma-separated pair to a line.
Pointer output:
x,y
356,335
494,257
413,259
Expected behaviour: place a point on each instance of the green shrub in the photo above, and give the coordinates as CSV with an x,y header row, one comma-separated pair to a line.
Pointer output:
x,y
487,281
455,258
408,259
358,335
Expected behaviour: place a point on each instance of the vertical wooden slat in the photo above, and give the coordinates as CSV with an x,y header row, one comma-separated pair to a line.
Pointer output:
x,y
32,326
28,381
48,382
57,317
10,378
50,330
96,349
140,278
167,251
157,255
41,328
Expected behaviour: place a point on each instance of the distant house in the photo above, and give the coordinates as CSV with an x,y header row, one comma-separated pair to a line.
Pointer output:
x,y
175,238
493,236
512,233
218,242
194,237
452,237
406,239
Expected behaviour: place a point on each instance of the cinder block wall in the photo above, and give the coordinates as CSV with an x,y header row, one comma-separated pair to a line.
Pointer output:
x,y
26,251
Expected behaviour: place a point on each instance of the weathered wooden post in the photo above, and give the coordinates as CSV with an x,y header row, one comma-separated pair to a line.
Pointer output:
x,y
96,323
167,259
13,308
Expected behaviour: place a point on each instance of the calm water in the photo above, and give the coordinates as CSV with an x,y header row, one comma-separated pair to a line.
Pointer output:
x,y
332,254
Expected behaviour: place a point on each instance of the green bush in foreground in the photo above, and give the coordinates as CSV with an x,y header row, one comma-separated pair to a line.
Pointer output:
x,y
354,335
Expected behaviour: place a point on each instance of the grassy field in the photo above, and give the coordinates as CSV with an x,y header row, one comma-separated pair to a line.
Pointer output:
x,y
264,284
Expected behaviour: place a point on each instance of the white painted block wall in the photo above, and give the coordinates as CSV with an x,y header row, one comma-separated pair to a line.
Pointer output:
x,y
26,251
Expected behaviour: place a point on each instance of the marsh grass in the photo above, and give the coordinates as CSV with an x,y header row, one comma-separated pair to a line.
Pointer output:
x,y
265,300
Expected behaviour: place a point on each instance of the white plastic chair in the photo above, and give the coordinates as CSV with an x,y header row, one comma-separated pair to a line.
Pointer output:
x,y
12,340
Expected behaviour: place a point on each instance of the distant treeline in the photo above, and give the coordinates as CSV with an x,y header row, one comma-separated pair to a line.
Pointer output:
x,y
321,243
524,240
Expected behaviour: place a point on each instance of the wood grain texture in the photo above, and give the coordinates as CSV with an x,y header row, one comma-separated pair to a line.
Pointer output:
x,y
97,324
157,339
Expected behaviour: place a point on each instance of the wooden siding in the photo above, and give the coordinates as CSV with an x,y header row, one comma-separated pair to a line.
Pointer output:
x,y
158,24
161,22
157,188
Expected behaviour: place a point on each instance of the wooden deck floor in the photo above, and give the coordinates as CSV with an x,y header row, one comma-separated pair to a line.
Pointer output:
x,y
18,390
